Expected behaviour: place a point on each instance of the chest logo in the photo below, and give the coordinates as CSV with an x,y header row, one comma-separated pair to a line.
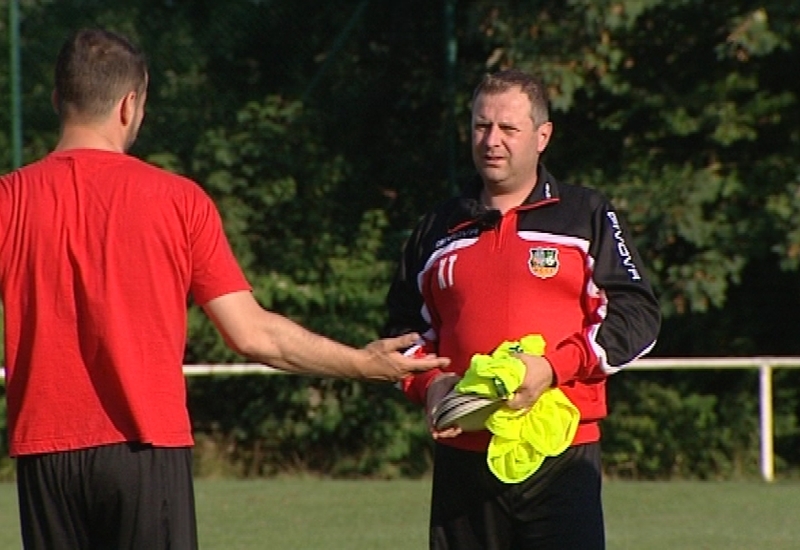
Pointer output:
x,y
543,262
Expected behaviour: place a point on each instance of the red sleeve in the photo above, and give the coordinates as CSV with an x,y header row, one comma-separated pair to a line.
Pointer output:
x,y
572,359
215,271
415,386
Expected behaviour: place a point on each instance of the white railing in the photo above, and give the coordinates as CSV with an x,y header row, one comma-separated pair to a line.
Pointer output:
x,y
765,366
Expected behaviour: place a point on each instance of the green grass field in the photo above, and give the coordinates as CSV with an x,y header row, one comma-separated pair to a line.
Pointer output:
x,y
312,514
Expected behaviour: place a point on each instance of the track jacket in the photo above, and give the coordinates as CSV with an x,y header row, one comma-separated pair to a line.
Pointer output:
x,y
562,265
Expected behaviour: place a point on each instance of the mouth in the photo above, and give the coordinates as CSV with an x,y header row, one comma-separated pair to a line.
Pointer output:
x,y
491,160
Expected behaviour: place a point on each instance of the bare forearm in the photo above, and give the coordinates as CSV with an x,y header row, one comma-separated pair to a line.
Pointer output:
x,y
285,344
274,340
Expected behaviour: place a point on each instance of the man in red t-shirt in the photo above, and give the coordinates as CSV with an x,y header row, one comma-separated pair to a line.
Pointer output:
x,y
99,252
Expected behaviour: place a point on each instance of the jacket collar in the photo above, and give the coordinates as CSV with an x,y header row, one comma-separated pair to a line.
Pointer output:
x,y
472,211
546,188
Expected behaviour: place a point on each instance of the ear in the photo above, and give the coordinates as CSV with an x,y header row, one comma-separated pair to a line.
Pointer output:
x,y
543,134
127,108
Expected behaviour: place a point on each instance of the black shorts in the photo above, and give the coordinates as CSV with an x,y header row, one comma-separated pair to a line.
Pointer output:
x,y
125,496
558,508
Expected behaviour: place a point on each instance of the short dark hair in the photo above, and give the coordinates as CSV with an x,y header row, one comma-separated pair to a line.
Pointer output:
x,y
94,69
530,85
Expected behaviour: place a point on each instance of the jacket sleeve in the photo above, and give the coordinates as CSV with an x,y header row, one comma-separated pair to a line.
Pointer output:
x,y
624,323
406,308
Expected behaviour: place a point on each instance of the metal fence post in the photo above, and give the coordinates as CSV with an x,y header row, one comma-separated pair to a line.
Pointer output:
x,y
765,405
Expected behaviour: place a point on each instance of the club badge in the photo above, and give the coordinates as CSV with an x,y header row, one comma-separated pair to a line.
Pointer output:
x,y
543,262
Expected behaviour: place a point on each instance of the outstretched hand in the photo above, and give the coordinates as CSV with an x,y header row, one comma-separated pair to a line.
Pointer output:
x,y
389,363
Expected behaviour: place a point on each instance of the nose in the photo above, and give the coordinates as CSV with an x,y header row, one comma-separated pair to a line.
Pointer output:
x,y
491,137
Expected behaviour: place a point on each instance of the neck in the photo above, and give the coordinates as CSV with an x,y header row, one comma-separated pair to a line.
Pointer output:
x,y
85,136
504,200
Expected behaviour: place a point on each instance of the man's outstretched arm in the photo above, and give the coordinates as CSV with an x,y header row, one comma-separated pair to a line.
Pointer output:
x,y
277,341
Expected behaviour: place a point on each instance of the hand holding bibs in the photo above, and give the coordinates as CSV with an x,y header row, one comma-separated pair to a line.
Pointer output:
x,y
521,439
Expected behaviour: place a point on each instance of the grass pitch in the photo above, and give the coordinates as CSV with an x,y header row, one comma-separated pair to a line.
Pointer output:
x,y
314,514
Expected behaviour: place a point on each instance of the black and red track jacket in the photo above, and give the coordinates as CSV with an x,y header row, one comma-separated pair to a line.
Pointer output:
x,y
562,265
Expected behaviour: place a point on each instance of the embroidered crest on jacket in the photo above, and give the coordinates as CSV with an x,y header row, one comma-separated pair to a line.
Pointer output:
x,y
543,262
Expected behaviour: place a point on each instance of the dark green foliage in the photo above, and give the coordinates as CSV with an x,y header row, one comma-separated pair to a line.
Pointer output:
x,y
659,430
280,423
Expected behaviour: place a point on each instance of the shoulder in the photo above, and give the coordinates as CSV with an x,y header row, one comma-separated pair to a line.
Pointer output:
x,y
26,171
143,167
164,181
448,214
577,194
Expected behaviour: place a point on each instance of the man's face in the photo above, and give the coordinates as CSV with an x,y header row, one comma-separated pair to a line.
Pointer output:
x,y
505,143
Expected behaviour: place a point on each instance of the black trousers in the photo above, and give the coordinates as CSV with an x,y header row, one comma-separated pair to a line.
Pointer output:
x,y
558,508
124,496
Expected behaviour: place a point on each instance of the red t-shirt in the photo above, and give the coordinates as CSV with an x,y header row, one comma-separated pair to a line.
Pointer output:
x,y
99,253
